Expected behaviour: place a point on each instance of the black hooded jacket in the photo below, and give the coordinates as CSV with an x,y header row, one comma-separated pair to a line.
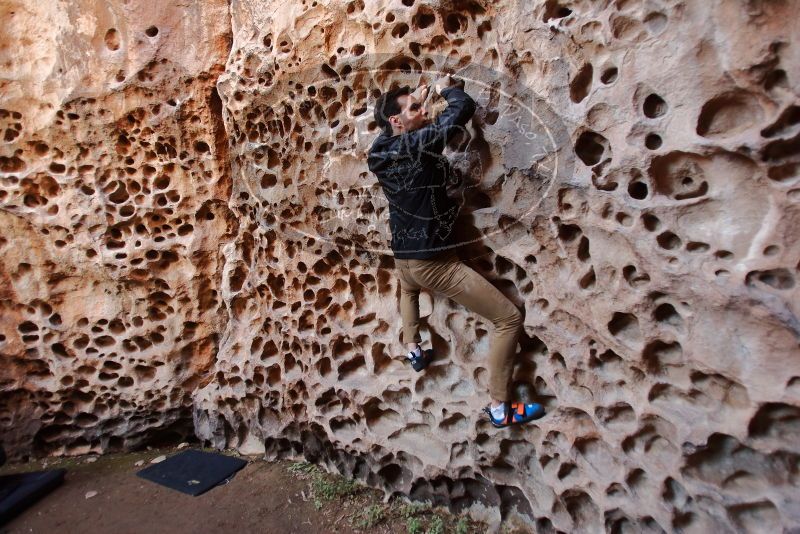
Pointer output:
x,y
413,173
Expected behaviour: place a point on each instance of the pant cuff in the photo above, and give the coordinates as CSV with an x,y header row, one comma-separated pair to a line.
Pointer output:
x,y
500,395
417,338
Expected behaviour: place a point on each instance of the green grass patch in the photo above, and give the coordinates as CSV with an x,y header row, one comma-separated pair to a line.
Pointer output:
x,y
412,509
365,511
414,525
303,467
324,487
436,526
370,517
329,488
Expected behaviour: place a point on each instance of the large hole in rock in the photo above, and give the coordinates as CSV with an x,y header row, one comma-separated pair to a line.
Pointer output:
x,y
774,278
609,75
679,175
423,18
653,141
581,84
555,10
729,114
590,147
625,326
789,118
112,39
637,190
654,106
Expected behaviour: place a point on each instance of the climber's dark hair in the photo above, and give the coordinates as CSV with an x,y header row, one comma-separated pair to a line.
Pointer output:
x,y
387,105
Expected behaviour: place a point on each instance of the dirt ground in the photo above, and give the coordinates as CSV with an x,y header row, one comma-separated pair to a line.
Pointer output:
x,y
264,497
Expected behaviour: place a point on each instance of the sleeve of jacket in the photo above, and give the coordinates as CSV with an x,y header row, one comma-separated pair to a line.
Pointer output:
x,y
433,137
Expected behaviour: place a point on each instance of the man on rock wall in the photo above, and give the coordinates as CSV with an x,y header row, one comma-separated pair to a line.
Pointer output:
x,y
407,158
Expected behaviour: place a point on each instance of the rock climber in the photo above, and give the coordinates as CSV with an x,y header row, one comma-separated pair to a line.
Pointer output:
x,y
407,158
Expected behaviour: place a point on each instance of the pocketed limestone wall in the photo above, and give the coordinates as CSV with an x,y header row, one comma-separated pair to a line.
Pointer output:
x,y
630,181
114,184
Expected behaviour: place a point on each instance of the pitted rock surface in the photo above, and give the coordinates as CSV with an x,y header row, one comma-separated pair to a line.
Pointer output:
x,y
173,245
113,202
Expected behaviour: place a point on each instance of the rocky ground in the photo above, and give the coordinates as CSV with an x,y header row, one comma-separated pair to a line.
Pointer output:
x,y
103,494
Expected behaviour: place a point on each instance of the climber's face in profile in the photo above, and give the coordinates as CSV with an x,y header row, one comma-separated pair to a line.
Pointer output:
x,y
414,114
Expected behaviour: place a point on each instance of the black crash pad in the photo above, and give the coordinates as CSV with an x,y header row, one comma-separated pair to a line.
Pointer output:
x,y
18,491
192,471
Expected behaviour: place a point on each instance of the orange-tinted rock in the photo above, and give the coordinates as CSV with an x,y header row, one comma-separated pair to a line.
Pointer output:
x,y
632,169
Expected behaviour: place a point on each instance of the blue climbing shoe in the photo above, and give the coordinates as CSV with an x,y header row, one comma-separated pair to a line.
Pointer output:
x,y
516,413
422,361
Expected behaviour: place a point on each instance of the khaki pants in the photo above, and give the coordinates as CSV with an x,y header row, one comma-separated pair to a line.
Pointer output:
x,y
446,274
